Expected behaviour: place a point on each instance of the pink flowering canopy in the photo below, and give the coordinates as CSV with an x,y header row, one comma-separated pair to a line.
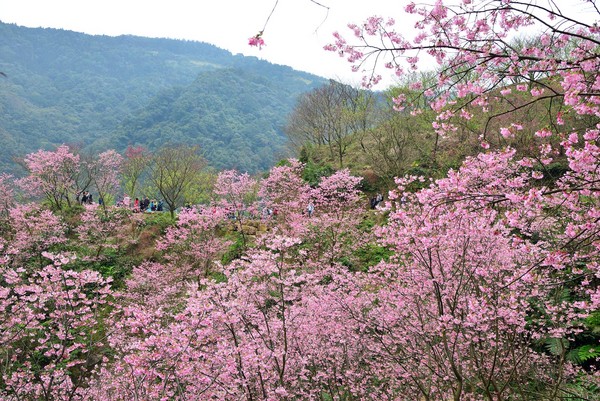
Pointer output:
x,y
487,287
52,174
105,173
50,327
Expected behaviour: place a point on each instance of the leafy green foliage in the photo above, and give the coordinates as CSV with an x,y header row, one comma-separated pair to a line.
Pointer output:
x,y
161,220
588,352
369,255
557,346
236,249
593,322
114,264
313,172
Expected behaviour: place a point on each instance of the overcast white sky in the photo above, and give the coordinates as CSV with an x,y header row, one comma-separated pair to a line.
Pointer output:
x,y
295,34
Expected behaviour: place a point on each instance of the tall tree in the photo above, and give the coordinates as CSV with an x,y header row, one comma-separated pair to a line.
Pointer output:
x,y
442,236
173,171
334,115
400,139
104,172
52,174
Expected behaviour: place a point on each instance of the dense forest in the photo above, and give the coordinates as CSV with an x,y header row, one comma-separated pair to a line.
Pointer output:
x,y
101,92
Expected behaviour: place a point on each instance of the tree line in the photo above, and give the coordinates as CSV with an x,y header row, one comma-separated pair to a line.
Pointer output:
x,y
175,174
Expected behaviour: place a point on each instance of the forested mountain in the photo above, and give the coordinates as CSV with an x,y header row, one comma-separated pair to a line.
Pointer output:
x,y
110,92
235,115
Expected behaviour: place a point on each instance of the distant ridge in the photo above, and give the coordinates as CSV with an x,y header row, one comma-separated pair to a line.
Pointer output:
x,y
104,92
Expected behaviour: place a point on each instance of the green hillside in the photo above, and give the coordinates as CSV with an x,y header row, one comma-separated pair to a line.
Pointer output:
x,y
235,116
108,92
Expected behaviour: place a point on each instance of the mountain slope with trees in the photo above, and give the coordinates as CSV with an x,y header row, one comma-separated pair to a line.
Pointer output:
x,y
236,116
68,87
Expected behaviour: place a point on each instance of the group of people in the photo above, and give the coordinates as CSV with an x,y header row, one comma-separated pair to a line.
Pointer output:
x,y
376,200
84,198
143,205
268,212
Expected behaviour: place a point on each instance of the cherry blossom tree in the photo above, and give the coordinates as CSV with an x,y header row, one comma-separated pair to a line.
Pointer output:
x,y
480,60
330,230
31,230
454,239
251,333
104,172
248,337
194,245
52,337
481,279
333,231
237,192
284,196
52,174
100,228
